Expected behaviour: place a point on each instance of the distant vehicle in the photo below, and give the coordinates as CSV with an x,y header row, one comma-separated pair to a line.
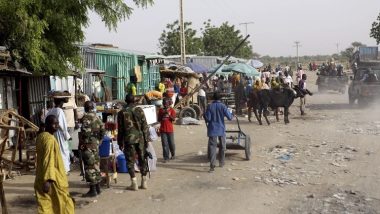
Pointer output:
x,y
365,84
332,79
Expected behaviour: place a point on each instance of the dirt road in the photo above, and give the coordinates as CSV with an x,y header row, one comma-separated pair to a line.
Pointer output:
x,y
325,162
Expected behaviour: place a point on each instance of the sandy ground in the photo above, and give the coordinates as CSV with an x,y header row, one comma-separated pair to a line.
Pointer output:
x,y
325,162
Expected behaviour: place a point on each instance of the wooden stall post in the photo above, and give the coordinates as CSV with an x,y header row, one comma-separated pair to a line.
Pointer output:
x,y
4,209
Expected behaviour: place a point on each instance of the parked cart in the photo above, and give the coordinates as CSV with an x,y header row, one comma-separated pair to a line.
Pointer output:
x,y
238,140
184,107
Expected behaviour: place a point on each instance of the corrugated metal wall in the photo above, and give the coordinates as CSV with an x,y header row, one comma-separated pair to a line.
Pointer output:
x,y
89,61
114,63
38,87
62,83
151,78
368,53
207,61
124,71
121,65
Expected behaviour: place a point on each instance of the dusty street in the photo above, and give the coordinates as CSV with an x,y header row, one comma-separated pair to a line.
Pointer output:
x,y
325,162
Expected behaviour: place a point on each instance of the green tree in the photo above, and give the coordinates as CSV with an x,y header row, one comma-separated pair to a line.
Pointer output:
x,y
348,52
169,42
220,41
43,34
375,30
357,44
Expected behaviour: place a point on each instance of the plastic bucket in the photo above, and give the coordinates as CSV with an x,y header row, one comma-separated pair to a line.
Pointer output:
x,y
104,148
121,164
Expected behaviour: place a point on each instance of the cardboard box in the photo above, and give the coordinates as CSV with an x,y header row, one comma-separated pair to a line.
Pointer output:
x,y
150,113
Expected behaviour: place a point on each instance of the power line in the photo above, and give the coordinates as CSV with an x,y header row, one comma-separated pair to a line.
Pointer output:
x,y
337,48
246,26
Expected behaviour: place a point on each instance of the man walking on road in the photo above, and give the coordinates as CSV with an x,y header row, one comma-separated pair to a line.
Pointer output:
x,y
133,136
51,185
216,130
302,87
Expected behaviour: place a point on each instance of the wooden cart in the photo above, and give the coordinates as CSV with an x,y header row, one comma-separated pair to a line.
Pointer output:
x,y
184,107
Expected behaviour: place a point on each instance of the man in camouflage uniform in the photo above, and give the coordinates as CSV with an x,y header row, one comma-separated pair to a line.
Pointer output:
x,y
92,133
133,135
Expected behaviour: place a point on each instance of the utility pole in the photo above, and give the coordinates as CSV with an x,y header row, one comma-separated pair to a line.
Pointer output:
x,y
246,26
297,47
182,33
337,48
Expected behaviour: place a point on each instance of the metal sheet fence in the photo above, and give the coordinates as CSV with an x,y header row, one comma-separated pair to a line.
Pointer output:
x,y
120,66
38,87
368,53
151,78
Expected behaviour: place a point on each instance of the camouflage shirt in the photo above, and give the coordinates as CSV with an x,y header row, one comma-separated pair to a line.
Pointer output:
x,y
92,130
132,126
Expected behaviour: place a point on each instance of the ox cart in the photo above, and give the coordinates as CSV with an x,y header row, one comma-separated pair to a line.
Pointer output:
x,y
184,107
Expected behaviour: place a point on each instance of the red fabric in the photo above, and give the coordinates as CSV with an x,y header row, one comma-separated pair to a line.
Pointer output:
x,y
183,91
166,121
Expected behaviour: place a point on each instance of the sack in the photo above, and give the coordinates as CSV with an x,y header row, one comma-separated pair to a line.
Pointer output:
x,y
152,162
153,134
188,121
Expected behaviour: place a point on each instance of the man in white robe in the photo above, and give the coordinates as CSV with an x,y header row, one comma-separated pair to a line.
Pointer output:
x,y
62,135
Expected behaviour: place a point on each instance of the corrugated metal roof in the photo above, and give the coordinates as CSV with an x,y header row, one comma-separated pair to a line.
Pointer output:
x,y
207,61
117,50
15,71
94,71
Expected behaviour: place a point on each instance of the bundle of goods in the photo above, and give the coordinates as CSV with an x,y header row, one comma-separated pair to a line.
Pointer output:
x,y
59,94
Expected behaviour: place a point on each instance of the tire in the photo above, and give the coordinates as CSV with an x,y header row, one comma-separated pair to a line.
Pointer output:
x,y
248,148
187,112
197,110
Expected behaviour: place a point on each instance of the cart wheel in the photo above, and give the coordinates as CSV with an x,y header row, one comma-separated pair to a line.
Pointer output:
x,y
187,112
248,149
197,110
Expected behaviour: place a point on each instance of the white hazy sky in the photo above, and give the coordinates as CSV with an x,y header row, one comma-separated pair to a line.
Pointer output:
x,y
318,24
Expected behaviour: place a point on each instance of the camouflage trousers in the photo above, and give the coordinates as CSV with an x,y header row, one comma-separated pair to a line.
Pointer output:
x,y
91,165
133,150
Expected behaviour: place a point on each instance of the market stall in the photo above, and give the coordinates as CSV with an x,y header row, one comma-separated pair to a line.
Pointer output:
x,y
184,77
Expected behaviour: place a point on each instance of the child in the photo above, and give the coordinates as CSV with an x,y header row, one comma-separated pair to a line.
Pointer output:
x,y
166,117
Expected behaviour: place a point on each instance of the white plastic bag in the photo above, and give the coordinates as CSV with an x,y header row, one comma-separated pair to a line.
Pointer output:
x,y
152,162
153,133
